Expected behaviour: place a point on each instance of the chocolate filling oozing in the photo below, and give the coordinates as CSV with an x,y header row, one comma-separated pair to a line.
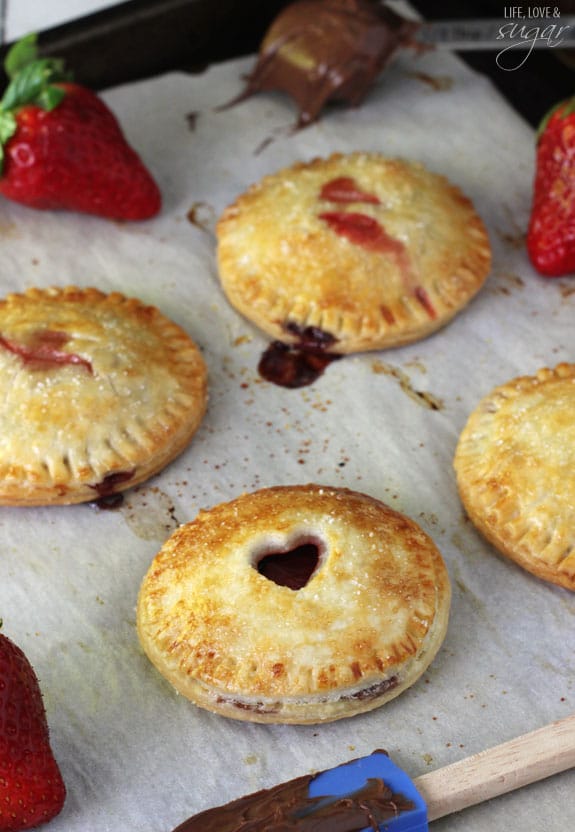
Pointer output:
x,y
292,568
254,707
289,806
110,502
108,485
364,695
373,691
299,364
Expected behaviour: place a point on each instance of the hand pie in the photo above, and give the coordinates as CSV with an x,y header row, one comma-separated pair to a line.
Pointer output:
x,y
294,604
97,393
362,251
515,464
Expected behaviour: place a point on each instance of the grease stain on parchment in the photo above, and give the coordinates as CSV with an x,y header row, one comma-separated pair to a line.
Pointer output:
x,y
422,397
438,83
513,281
149,513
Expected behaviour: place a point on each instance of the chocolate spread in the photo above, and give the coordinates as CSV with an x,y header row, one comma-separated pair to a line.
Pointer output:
x,y
327,50
288,807
109,484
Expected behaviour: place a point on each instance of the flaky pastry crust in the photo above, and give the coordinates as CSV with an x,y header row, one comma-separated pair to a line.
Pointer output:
x,y
515,463
98,392
362,629
415,253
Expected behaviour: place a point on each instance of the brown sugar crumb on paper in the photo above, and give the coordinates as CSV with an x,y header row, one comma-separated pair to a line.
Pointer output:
x,y
566,289
202,216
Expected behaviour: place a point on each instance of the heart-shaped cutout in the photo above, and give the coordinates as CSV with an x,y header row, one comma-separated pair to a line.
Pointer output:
x,y
292,566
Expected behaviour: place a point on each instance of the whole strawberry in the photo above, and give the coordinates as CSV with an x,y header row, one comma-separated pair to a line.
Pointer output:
x,y
31,787
551,232
62,148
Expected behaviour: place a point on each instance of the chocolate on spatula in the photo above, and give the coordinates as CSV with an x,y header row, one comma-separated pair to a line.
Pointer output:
x,y
327,50
372,793
322,51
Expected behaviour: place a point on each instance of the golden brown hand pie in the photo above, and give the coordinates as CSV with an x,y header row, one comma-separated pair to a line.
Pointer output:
x,y
294,604
366,251
97,393
515,466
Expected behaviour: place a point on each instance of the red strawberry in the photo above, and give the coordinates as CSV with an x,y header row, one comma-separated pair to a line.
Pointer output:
x,y
551,233
31,787
63,148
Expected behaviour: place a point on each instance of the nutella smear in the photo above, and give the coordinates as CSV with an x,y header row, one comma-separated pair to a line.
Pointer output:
x,y
288,806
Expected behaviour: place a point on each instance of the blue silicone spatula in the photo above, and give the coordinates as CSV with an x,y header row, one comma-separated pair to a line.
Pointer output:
x,y
473,780
414,803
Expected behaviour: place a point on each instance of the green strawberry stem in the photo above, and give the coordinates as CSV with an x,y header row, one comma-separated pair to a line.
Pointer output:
x,y
567,107
32,81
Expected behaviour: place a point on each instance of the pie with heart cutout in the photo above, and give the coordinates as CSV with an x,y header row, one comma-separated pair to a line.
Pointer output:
x,y
294,604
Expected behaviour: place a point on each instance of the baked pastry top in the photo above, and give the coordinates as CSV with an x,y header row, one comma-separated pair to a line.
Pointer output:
x,y
97,393
373,252
294,604
515,464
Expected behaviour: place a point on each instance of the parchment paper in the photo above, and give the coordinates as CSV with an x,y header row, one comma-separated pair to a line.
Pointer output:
x,y
136,756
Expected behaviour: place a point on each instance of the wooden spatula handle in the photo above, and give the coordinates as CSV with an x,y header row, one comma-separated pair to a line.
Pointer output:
x,y
498,770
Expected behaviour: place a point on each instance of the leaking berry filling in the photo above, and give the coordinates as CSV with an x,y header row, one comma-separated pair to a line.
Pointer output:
x,y
300,364
292,367
310,337
43,351
345,189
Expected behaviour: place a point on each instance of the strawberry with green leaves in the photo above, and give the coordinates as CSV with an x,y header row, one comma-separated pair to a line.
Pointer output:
x,y
32,791
551,232
62,148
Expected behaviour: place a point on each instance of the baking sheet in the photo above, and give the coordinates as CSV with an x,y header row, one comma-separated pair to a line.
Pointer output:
x,y
134,754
